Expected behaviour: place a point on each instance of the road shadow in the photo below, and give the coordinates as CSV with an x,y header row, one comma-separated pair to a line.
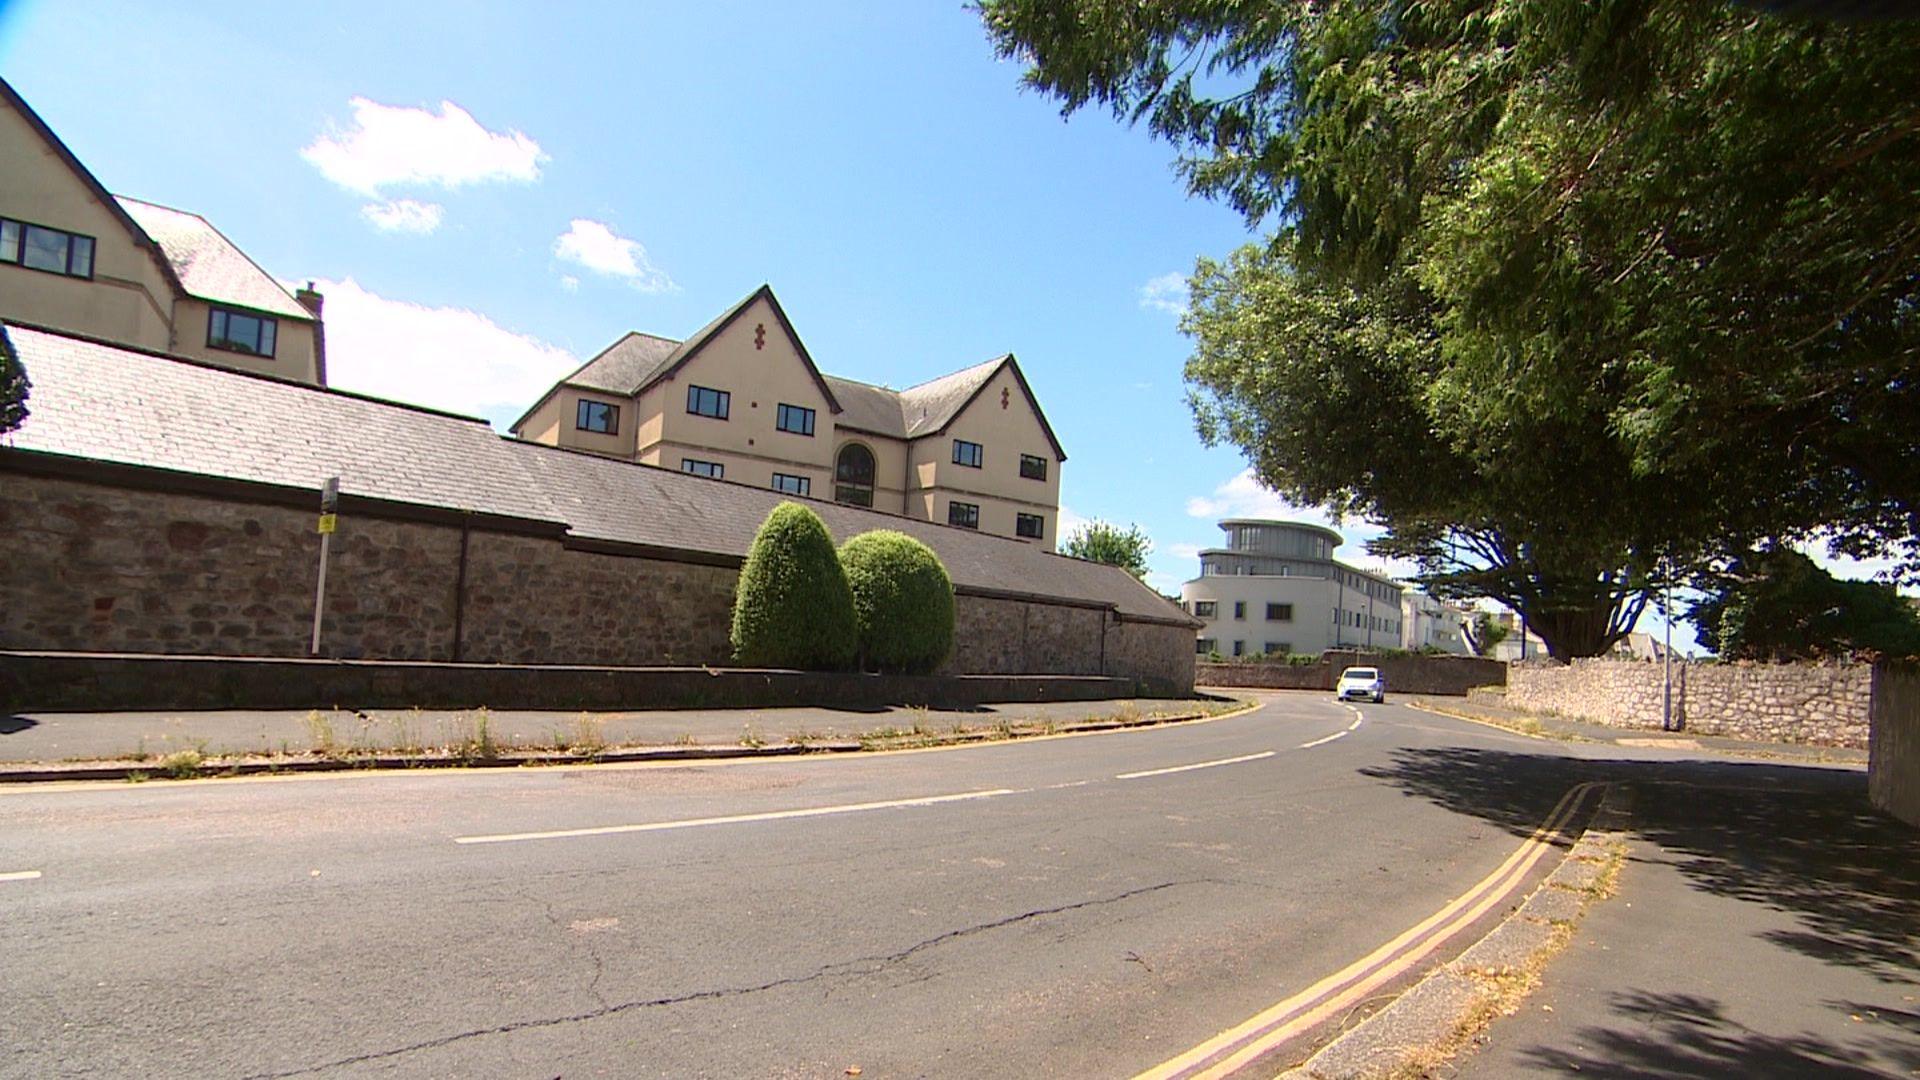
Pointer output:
x,y
1800,840
14,725
1682,1035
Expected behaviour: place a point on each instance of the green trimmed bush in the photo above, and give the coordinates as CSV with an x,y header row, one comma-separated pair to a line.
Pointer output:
x,y
902,602
792,607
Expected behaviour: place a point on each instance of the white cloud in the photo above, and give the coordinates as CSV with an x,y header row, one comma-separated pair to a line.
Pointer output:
x,y
404,216
1167,293
1184,551
445,357
1070,522
1164,583
396,146
598,248
569,283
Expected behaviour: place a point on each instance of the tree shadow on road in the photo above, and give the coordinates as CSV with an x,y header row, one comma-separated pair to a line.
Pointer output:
x,y
1682,1035
1800,840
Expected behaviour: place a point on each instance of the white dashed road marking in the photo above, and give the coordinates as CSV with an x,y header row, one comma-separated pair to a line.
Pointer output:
x,y
1197,765
20,875
731,819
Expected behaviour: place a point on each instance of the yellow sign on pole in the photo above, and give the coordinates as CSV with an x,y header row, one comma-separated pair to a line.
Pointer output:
x,y
328,523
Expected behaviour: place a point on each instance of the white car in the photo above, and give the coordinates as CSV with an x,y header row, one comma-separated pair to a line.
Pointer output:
x,y
1361,682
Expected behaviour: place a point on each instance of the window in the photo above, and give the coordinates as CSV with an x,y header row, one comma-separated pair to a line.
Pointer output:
x,y
795,419
712,470
1032,526
965,515
704,402
792,485
853,476
1203,646
1279,612
40,248
967,453
1239,648
1279,648
1239,609
1033,468
597,416
1205,609
236,332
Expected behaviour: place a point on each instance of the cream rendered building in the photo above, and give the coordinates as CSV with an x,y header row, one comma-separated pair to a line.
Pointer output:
x,y
77,259
742,401
1276,588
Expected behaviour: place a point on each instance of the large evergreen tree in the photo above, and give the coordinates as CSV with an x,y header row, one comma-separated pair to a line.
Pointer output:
x,y
13,386
1592,286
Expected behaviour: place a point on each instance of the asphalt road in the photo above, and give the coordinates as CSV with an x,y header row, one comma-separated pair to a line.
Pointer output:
x,y
1072,910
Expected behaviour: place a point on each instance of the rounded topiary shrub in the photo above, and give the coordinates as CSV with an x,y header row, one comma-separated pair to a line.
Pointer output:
x,y
902,601
792,607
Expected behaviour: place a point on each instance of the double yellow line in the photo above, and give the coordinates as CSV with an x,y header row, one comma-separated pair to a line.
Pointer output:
x,y
1238,1046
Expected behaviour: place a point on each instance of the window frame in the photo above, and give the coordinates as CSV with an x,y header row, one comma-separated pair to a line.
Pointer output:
x,y
1212,609
1204,646
722,399
15,254
780,419
1240,609
712,470
969,519
1285,612
1039,526
1039,470
801,485
224,315
581,412
979,454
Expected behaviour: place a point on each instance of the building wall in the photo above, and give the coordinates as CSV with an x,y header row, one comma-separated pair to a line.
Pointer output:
x,y
293,353
100,568
1313,628
1824,704
1893,769
1450,675
1004,433
129,299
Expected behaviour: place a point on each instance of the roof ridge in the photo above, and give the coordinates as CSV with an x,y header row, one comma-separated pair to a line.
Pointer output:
x,y
263,376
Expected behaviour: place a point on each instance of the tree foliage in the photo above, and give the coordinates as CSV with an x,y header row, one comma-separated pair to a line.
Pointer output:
x,y
1780,605
1561,291
792,606
1484,634
13,386
902,602
1102,542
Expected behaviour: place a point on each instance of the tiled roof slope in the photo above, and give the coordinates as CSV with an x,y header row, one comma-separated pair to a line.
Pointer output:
x,y
626,365
929,406
868,407
107,403
208,265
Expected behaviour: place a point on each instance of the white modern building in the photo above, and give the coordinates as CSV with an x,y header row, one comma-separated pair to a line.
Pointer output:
x,y
1276,588
1427,623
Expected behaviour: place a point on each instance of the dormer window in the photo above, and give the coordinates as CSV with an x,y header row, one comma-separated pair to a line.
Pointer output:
x,y
37,247
236,331
597,417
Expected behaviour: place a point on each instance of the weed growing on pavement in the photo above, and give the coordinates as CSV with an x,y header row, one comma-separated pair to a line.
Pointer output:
x,y
320,730
479,744
183,765
135,776
750,740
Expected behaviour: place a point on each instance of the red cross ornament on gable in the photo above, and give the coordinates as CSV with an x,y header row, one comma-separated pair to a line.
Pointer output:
x,y
759,336
1004,395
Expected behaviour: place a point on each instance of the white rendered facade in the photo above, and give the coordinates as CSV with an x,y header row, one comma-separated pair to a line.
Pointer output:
x,y
1276,588
1429,623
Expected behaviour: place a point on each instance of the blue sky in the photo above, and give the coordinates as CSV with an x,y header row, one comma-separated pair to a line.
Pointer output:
x,y
489,194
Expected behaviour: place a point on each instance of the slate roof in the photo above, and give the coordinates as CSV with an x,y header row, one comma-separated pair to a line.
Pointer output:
x,y
631,362
103,402
207,264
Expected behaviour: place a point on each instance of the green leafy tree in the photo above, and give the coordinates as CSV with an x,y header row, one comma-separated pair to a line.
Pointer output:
x,y
902,601
1101,542
1780,605
792,606
1609,285
13,386
1484,634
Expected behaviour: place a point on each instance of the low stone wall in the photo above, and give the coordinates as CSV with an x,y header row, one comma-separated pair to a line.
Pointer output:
x,y
1893,769
1414,674
1821,704
93,567
97,682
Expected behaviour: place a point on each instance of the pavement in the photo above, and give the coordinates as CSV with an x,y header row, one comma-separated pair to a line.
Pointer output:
x,y
142,736
1094,905
1765,932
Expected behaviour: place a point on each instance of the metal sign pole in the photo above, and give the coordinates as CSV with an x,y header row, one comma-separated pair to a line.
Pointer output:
x,y
329,508
1666,653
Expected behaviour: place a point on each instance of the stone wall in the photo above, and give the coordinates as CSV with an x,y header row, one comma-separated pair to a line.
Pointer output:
x,y
97,568
1405,674
1823,704
1893,769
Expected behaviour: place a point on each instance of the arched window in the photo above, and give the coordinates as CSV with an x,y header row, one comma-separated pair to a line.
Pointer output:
x,y
853,476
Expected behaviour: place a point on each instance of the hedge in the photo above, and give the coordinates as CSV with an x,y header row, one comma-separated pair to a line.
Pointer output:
x,y
792,607
902,602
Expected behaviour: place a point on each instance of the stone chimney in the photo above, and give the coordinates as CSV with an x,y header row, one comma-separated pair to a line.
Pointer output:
x,y
313,301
